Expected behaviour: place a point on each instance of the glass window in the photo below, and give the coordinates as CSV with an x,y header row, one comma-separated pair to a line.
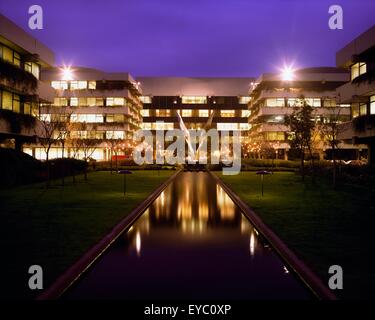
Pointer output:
x,y
244,100
17,59
227,113
145,99
146,126
245,113
114,134
74,102
362,109
194,100
186,112
244,126
115,101
358,69
372,104
7,54
329,103
28,67
162,126
163,112
145,113
6,101
27,108
16,103
275,102
203,113
355,110
313,102
82,102
92,85
227,126
35,70
295,102
78,85
274,136
59,85
60,102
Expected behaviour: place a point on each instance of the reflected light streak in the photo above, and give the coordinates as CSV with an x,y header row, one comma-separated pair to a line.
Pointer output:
x,y
138,243
252,244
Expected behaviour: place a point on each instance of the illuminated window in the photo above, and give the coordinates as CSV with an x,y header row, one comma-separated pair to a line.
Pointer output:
x,y
74,102
194,100
35,70
372,104
227,113
6,100
45,117
115,101
162,126
245,113
16,103
275,102
8,54
17,59
59,85
146,126
358,69
92,85
227,126
244,100
27,108
78,85
94,102
203,113
186,112
145,113
145,99
114,134
295,102
115,118
89,118
329,103
244,126
313,102
274,136
162,112
362,109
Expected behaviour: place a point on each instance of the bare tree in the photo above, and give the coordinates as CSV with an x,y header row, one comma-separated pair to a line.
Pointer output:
x,y
330,130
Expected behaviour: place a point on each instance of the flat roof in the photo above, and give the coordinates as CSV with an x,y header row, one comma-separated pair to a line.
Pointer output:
x,y
17,38
195,86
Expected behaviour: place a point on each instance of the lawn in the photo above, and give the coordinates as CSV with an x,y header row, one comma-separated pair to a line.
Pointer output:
x,y
54,227
323,226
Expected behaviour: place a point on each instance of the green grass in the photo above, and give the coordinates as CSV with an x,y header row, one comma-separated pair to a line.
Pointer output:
x,y
54,227
323,226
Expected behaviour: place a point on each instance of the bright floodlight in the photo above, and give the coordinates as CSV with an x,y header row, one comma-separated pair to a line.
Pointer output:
x,y
287,73
67,73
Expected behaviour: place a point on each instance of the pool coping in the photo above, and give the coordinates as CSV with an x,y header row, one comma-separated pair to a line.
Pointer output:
x,y
75,271
307,276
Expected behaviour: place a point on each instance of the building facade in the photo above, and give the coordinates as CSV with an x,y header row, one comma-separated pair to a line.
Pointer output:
x,y
99,111
21,89
358,57
195,99
273,98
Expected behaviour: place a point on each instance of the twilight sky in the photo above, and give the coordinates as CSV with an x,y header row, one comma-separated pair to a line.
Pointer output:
x,y
193,37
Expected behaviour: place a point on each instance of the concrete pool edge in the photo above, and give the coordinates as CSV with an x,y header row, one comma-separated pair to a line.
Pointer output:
x,y
308,277
74,272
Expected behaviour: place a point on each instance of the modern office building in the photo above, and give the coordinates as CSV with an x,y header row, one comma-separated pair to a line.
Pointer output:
x,y
195,99
21,90
100,108
359,58
275,96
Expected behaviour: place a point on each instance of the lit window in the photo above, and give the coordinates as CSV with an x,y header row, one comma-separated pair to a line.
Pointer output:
x,y
6,101
8,54
194,100
27,108
362,109
275,136
92,85
358,69
145,113
372,104
355,110
16,103
245,113
329,103
227,113
244,100
94,102
115,101
17,59
244,126
162,112
60,102
78,85
35,70
162,126
203,113
59,85
313,102
186,113
114,134
275,102
295,102
74,102
45,117
146,126
227,126
145,99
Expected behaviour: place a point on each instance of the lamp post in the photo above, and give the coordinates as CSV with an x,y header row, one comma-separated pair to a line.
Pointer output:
x,y
262,173
124,173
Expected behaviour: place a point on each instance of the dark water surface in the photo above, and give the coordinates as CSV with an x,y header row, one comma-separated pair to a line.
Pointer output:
x,y
192,242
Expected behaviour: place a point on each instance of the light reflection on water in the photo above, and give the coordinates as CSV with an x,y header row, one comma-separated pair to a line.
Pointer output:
x,y
192,242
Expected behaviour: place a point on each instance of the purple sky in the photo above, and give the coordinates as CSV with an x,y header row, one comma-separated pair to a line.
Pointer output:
x,y
191,37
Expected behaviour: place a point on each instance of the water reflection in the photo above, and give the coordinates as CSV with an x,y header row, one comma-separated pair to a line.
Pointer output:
x,y
192,242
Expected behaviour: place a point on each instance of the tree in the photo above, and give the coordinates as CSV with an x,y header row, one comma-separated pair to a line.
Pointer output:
x,y
330,130
301,125
47,131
